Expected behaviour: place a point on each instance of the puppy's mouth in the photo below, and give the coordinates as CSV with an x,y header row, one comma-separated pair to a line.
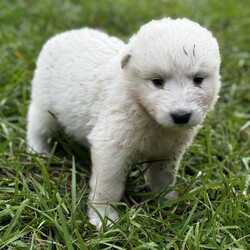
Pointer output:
x,y
179,127
182,126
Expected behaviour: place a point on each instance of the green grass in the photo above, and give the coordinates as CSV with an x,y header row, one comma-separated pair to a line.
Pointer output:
x,y
43,201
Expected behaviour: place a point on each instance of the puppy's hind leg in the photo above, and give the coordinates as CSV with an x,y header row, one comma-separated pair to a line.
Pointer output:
x,y
41,124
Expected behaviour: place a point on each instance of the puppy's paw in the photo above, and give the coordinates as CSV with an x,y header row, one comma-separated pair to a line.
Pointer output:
x,y
172,195
39,148
104,211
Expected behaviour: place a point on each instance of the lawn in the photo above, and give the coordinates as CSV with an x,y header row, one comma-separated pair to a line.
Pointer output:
x,y
43,201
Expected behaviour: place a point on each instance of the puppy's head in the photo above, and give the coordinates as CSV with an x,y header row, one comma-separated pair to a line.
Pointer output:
x,y
171,69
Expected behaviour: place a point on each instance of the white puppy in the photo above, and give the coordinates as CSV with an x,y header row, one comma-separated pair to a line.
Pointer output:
x,y
142,101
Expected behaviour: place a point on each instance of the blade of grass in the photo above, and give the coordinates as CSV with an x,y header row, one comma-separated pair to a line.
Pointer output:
x,y
15,219
80,240
65,231
73,193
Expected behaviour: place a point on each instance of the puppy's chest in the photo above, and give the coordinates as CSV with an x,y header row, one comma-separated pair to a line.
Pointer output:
x,y
155,145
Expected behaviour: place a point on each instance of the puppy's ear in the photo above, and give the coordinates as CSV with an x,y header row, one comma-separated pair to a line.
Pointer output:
x,y
125,60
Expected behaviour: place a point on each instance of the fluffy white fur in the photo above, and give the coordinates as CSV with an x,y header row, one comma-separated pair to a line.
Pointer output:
x,y
101,92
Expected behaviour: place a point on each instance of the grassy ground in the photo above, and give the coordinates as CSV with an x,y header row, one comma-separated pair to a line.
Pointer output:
x,y
43,201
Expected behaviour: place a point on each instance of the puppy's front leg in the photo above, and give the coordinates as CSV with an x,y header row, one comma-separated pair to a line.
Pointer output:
x,y
109,170
162,174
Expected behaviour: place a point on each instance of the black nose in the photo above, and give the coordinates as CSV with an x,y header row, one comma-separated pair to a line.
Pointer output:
x,y
181,117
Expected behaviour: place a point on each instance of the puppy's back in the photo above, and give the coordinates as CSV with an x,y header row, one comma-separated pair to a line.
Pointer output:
x,y
92,46
67,81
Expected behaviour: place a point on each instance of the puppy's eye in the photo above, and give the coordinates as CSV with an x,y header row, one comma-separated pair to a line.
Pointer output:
x,y
158,82
198,80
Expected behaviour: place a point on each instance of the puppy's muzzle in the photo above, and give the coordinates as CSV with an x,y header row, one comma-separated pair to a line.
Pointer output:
x,y
181,117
